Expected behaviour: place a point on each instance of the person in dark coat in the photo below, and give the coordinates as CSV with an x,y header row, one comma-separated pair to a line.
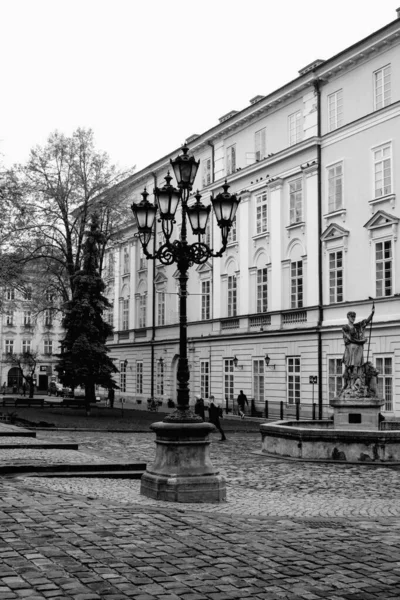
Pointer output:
x,y
199,407
242,400
111,397
214,412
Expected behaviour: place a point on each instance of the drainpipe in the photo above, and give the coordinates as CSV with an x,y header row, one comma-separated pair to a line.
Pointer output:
x,y
153,307
317,88
212,245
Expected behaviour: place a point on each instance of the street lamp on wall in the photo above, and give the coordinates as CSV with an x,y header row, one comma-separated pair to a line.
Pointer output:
x,y
267,361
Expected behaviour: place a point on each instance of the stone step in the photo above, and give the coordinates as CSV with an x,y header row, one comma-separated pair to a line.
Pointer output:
x,y
91,474
73,470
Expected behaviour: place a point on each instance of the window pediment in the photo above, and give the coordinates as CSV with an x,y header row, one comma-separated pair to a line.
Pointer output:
x,y
334,232
204,268
381,224
381,219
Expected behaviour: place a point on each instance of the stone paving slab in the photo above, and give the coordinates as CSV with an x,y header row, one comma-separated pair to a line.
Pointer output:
x,y
289,530
54,545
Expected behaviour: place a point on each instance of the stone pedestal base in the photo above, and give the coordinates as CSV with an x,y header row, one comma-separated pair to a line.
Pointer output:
x,y
182,470
356,413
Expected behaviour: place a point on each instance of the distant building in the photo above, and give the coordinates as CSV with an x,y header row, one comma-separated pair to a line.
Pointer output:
x,y
317,165
24,329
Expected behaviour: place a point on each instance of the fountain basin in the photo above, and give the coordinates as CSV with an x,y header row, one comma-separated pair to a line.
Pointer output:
x,y
318,440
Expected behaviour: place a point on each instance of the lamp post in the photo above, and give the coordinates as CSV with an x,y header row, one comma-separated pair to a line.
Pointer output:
x,y
183,423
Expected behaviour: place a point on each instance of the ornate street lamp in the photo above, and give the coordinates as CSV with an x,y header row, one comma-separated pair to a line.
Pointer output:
x,y
183,424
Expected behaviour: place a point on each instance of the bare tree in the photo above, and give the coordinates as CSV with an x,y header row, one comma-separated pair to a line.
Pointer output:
x,y
62,184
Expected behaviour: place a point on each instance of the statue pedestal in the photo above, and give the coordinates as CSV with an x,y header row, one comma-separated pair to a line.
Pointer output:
x,y
356,412
182,470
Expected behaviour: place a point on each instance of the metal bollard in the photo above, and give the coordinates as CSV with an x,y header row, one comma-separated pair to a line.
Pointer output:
x,y
266,409
314,407
297,411
281,410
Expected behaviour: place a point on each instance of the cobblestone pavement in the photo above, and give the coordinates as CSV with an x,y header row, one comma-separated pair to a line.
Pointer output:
x,y
289,530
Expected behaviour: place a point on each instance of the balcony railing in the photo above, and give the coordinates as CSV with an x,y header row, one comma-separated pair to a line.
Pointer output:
x,y
291,318
260,321
230,324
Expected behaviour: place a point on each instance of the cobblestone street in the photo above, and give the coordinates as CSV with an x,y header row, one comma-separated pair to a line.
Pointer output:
x,y
288,530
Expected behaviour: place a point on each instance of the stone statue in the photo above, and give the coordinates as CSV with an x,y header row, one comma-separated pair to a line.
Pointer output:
x,y
353,358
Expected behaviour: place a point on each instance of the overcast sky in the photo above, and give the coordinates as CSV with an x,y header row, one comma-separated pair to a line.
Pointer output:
x,y
146,74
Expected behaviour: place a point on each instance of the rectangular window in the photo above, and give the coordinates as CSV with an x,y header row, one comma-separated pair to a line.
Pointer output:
x,y
125,314
384,267
383,170
293,380
160,308
261,213
207,234
160,378
26,346
142,259
385,380
9,317
110,266
260,139
110,315
231,159
232,233
258,380
232,296
139,377
206,172
296,284
228,382
48,346
122,375
9,346
28,294
335,381
27,318
296,201
336,276
335,110
382,87
262,290
205,300
295,128
142,311
126,260
48,318
335,187
10,294
204,379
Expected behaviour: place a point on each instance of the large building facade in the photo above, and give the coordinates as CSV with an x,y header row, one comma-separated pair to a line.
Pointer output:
x,y
316,164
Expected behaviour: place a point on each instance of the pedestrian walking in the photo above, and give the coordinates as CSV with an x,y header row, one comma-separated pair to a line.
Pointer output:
x,y
199,407
215,412
241,401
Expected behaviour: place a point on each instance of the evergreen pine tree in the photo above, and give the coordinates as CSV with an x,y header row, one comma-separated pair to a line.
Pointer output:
x,y
84,356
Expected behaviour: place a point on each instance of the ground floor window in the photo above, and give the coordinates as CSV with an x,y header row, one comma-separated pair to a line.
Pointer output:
x,y
384,365
139,377
122,376
228,382
293,379
204,379
258,380
335,381
160,378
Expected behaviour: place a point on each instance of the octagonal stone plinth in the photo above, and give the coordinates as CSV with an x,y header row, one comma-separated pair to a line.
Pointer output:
x,y
182,470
